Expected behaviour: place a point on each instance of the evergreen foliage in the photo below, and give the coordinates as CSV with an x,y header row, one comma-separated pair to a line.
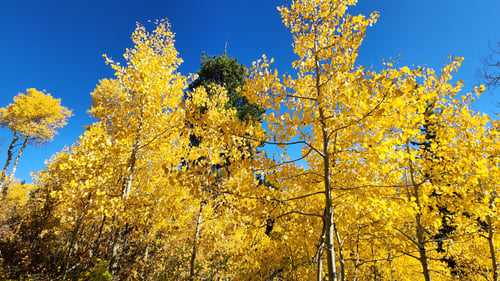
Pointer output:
x,y
227,72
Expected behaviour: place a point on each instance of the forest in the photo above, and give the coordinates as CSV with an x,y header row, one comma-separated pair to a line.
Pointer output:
x,y
375,174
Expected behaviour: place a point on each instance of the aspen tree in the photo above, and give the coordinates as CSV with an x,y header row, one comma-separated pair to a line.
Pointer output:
x,y
130,162
33,118
329,108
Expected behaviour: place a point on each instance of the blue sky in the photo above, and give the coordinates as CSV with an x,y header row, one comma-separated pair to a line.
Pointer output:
x,y
58,45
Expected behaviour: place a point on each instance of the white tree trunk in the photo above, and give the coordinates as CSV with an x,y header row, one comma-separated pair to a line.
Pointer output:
x,y
3,177
14,167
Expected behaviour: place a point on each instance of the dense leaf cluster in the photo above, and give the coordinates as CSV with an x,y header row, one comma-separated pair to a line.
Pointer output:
x,y
396,178
227,72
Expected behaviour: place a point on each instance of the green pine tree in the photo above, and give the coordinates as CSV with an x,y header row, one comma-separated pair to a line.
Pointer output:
x,y
226,71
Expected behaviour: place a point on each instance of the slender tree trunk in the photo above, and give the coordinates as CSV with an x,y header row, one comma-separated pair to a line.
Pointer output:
x,y
145,258
494,265
115,245
328,215
3,177
195,241
118,241
320,265
97,242
319,252
129,172
330,247
356,262
341,254
14,167
418,220
74,234
421,249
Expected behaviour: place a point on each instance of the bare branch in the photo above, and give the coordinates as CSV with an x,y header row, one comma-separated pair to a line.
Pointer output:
x,y
300,197
407,236
300,213
490,73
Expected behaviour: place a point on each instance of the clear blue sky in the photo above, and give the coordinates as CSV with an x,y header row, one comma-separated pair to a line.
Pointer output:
x,y
58,45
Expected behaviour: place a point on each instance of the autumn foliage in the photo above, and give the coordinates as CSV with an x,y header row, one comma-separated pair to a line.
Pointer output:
x,y
396,177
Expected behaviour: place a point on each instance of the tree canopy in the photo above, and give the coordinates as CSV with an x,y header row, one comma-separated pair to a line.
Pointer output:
x,y
36,115
33,118
227,72
396,177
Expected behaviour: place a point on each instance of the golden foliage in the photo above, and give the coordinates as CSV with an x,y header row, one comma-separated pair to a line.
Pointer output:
x,y
396,177
35,114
